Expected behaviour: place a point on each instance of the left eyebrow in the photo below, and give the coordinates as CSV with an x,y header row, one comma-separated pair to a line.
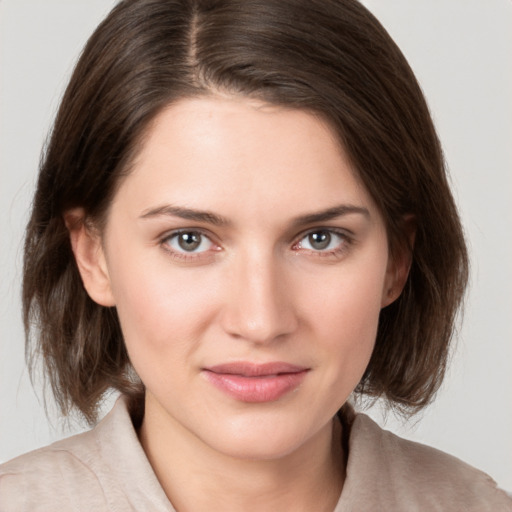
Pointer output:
x,y
330,214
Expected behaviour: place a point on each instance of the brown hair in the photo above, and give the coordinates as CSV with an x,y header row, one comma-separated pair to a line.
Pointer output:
x,y
331,57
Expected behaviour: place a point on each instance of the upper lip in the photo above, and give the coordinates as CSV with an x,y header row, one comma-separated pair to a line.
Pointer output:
x,y
247,369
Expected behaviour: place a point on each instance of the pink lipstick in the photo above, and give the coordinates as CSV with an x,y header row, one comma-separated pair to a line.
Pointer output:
x,y
249,382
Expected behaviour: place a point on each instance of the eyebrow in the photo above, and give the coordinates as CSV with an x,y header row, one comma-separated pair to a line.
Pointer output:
x,y
331,213
185,213
217,220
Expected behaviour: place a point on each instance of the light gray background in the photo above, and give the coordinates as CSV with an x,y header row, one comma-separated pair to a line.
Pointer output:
x,y
461,53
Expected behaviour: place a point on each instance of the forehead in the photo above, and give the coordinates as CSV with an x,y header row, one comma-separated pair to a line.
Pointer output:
x,y
237,154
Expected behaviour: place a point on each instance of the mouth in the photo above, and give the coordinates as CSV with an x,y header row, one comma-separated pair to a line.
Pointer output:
x,y
255,383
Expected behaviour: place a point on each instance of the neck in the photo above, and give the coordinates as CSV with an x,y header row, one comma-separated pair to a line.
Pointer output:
x,y
197,478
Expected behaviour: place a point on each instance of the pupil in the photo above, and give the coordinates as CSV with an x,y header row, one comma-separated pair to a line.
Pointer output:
x,y
320,240
189,241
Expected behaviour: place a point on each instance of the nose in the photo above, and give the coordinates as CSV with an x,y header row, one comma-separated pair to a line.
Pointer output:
x,y
259,304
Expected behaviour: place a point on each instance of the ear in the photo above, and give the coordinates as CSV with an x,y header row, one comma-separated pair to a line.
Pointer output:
x,y
399,264
90,258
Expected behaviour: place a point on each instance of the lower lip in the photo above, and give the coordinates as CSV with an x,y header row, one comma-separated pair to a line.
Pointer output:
x,y
256,389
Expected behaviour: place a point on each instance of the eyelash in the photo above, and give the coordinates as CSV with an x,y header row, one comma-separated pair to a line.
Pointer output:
x,y
346,240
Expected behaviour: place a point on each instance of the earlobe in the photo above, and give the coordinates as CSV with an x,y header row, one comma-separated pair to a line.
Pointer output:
x,y
89,257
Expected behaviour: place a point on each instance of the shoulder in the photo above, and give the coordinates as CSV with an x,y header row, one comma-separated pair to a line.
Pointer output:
x,y
103,469
411,476
56,475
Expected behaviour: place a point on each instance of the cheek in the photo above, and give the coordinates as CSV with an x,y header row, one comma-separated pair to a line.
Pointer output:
x,y
346,315
350,299
161,310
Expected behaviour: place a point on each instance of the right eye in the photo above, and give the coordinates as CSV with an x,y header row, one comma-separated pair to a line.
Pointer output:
x,y
188,242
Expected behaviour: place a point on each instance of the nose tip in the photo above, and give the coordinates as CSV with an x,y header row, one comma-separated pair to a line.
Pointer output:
x,y
260,307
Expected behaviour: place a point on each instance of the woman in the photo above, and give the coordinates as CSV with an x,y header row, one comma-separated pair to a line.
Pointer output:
x,y
242,217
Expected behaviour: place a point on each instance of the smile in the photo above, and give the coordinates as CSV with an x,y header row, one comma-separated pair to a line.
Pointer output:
x,y
255,383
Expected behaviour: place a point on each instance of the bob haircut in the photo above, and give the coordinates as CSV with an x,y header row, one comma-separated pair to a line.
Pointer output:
x,y
329,57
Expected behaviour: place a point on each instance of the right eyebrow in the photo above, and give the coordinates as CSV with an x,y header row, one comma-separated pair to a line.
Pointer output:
x,y
185,213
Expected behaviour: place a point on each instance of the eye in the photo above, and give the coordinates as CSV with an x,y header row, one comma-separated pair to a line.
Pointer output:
x,y
189,242
322,240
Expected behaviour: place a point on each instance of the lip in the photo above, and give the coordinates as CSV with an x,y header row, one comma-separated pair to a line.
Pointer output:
x,y
256,383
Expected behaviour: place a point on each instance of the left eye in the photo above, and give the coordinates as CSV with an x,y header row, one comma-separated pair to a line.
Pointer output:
x,y
321,240
189,241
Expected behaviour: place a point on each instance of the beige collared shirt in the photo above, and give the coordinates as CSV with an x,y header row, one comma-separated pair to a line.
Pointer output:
x,y
106,469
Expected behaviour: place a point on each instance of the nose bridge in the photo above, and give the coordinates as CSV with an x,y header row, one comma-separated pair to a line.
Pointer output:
x,y
259,307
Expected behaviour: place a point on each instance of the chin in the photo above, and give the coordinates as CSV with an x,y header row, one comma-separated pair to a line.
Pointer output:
x,y
261,438
257,448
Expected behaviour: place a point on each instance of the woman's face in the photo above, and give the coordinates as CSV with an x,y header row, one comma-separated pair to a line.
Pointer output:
x,y
248,266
